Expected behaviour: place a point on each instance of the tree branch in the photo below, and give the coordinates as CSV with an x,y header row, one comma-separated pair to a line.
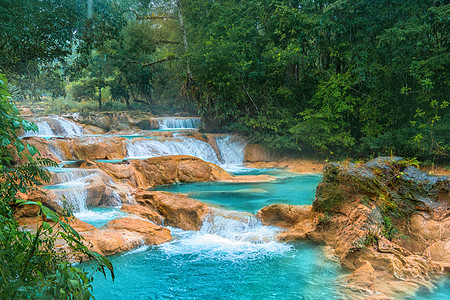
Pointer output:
x,y
140,101
168,42
152,16
155,17
172,57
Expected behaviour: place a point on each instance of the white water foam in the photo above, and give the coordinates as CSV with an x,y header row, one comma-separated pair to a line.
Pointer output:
x,y
70,128
146,148
231,149
91,216
69,185
179,123
137,250
228,235
43,130
69,176
74,198
55,126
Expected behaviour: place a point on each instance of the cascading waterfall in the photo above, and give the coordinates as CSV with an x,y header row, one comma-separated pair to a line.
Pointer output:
x,y
69,186
145,148
73,198
231,149
43,130
179,123
70,128
228,235
69,175
56,151
55,126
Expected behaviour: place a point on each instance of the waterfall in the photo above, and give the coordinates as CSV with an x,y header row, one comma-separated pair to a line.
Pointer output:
x,y
70,187
69,176
43,130
238,226
179,123
144,148
231,149
69,127
55,126
74,198
53,147
228,235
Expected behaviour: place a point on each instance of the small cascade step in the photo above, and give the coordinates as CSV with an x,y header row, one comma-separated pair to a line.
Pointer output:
x,y
171,146
55,126
178,123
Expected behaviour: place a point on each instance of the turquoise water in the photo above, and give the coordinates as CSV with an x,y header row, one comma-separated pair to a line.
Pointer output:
x,y
99,216
250,197
233,256
299,272
439,292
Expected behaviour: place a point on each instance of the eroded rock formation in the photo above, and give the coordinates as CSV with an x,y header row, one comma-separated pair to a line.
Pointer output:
x,y
386,220
178,210
145,173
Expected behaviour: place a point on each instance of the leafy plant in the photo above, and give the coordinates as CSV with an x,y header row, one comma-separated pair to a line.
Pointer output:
x,y
31,266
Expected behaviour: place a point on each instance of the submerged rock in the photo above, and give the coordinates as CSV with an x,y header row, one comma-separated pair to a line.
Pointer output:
x,y
387,222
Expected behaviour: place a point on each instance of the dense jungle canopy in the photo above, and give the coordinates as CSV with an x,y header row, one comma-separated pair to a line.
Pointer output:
x,y
353,78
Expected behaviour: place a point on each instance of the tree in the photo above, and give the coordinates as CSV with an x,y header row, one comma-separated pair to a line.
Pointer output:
x,y
342,77
30,265
37,37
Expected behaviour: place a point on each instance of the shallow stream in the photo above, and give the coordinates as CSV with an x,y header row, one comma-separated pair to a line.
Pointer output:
x,y
233,256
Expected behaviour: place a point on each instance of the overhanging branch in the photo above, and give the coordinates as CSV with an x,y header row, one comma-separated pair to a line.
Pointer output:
x,y
151,16
173,57
144,65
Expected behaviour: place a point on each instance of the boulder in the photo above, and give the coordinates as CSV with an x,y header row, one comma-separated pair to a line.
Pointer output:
x,y
284,215
143,212
125,234
298,219
90,129
45,147
25,111
118,120
178,210
99,148
386,221
146,173
439,251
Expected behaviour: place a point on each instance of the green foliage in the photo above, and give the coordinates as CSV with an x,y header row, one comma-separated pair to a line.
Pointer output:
x,y
84,91
64,105
336,77
31,266
370,239
329,123
39,39
389,230
330,78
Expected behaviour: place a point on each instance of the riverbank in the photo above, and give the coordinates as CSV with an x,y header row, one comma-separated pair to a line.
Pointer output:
x,y
175,191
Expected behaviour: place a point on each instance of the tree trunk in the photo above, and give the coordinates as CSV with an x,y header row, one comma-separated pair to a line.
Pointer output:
x,y
185,42
99,96
127,102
